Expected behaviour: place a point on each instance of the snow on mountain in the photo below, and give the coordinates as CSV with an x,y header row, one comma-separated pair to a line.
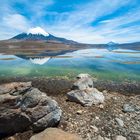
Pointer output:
x,y
38,31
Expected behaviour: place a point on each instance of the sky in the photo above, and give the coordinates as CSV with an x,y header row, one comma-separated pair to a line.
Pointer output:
x,y
85,21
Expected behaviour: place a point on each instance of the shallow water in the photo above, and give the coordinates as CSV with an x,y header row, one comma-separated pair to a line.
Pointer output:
x,y
117,65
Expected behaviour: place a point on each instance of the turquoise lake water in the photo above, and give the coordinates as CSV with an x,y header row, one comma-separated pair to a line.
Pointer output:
x,y
117,65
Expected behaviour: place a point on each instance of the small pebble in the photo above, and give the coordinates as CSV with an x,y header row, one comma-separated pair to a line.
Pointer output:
x,y
119,137
101,106
94,128
120,122
79,112
97,118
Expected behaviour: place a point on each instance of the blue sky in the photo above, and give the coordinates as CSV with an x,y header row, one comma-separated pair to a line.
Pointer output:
x,y
86,21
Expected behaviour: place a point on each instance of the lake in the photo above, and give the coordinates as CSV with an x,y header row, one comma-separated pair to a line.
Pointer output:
x,y
116,65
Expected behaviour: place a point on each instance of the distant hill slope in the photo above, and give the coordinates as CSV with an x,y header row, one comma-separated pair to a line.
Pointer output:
x,y
113,46
132,46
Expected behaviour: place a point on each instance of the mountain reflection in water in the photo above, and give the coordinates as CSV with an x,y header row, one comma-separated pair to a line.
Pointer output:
x,y
40,61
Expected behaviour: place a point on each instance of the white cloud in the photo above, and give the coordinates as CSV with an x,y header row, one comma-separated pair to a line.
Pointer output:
x,y
76,24
16,21
13,24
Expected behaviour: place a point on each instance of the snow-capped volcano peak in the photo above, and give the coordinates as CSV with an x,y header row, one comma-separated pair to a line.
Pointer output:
x,y
37,30
38,34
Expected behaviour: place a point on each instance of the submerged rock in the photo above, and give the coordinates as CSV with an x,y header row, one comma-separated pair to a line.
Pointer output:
x,y
84,93
55,134
26,108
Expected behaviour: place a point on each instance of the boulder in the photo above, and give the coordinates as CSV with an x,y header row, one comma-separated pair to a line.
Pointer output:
x,y
130,108
86,97
55,134
83,82
26,108
83,91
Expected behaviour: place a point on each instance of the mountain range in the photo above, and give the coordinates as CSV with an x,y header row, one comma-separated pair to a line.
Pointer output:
x,y
38,37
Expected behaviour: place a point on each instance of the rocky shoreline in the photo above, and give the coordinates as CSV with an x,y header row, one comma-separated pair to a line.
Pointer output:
x,y
58,85
117,117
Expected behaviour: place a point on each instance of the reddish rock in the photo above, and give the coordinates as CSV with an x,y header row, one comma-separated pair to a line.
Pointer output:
x,y
55,134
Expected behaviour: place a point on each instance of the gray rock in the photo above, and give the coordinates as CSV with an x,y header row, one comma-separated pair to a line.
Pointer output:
x,y
29,109
131,108
120,122
94,128
84,93
86,98
31,98
84,81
